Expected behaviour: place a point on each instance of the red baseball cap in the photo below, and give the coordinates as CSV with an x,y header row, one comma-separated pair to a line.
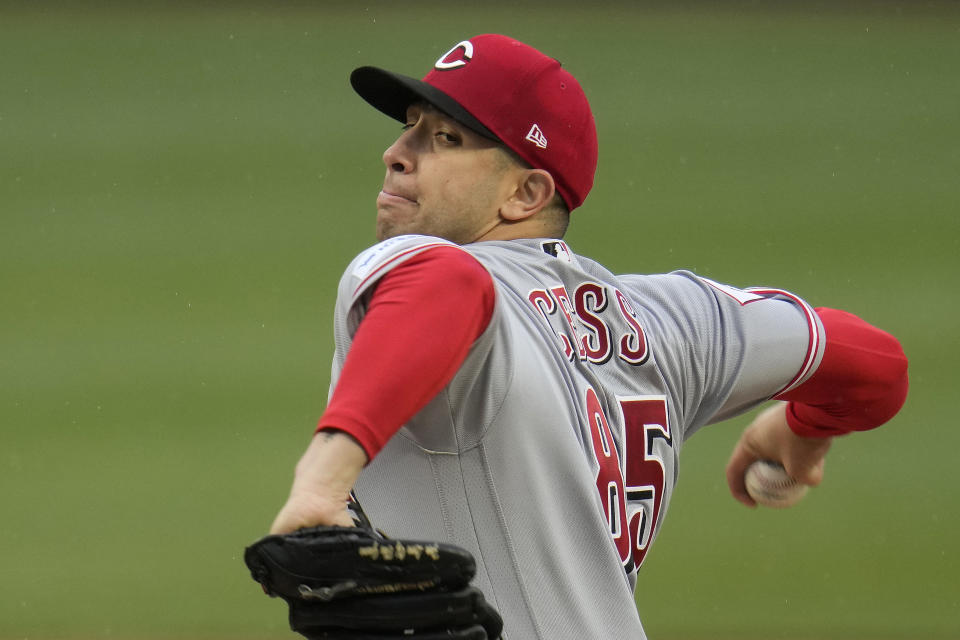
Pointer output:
x,y
506,91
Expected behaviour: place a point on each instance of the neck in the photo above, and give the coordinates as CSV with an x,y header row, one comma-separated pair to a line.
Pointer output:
x,y
509,230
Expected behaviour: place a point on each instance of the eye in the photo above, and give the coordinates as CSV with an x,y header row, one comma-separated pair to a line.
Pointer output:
x,y
448,137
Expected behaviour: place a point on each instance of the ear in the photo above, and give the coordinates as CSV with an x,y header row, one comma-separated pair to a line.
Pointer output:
x,y
534,190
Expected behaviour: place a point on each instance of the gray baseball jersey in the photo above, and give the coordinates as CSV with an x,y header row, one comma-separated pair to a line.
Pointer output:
x,y
552,454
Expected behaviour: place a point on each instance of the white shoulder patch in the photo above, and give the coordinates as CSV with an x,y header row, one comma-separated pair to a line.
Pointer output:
x,y
390,251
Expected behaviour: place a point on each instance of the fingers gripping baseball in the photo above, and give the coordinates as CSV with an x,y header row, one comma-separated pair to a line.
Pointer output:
x,y
769,437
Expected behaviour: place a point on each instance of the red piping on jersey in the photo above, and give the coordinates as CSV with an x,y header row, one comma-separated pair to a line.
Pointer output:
x,y
813,344
814,337
423,316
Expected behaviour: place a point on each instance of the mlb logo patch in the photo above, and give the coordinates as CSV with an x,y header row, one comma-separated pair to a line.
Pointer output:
x,y
557,249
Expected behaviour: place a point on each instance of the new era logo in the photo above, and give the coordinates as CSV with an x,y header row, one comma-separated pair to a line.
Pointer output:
x,y
536,137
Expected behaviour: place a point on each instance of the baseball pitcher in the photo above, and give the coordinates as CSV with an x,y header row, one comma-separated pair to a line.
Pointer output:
x,y
499,394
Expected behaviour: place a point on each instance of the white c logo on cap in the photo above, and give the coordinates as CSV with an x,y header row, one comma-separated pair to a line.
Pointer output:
x,y
459,62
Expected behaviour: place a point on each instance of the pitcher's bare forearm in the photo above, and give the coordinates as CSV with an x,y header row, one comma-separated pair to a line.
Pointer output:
x,y
322,483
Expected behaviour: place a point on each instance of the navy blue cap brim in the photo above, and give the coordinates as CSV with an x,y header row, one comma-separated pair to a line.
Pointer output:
x,y
392,93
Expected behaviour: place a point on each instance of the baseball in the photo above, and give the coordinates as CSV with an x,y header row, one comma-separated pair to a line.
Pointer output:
x,y
768,483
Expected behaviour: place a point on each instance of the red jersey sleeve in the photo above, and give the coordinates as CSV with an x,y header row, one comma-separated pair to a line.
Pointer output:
x,y
860,384
421,321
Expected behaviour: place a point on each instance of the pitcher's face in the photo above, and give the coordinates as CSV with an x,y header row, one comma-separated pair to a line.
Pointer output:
x,y
442,180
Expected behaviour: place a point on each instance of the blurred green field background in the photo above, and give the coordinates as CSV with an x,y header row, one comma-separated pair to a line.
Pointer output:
x,y
181,186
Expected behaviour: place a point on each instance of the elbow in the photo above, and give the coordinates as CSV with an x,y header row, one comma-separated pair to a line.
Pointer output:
x,y
861,383
886,394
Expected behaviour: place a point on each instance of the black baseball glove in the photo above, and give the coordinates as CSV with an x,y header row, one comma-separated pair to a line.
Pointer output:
x,y
355,583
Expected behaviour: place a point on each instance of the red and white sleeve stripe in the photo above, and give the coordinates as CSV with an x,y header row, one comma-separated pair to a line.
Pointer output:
x,y
860,384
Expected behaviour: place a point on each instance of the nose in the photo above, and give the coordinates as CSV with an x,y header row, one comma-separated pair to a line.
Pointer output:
x,y
399,157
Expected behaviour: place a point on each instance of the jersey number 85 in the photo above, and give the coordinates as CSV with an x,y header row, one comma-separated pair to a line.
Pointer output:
x,y
631,492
